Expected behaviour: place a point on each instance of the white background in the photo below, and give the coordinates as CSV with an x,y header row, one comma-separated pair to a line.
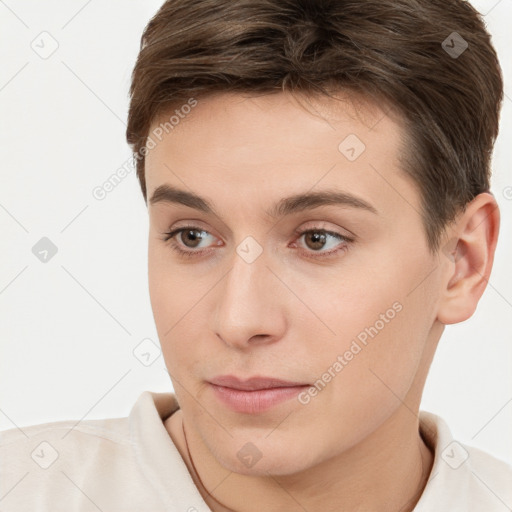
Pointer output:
x,y
69,326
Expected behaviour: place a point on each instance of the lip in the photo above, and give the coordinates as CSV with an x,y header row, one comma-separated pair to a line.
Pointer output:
x,y
253,383
254,395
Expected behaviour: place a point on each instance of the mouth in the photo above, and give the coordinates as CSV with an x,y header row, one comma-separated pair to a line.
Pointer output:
x,y
254,395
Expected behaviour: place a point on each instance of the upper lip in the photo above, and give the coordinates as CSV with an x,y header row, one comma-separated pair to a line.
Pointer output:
x,y
252,383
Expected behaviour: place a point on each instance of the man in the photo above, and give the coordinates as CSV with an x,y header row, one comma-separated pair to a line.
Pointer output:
x,y
317,183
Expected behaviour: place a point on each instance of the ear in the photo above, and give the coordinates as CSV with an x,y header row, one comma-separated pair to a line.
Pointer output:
x,y
468,256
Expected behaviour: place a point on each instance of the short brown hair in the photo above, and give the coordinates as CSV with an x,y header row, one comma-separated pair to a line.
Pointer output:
x,y
395,50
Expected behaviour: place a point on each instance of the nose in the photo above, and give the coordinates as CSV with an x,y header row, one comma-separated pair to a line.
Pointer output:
x,y
250,304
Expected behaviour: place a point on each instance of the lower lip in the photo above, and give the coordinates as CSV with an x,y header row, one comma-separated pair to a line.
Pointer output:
x,y
253,402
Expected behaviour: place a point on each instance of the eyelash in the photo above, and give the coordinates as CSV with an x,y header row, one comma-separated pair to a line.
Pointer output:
x,y
190,253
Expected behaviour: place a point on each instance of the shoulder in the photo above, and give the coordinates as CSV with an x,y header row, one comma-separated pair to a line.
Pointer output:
x,y
59,465
63,436
491,478
47,448
463,478
123,464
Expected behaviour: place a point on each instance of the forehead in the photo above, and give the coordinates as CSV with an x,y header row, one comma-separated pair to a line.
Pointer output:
x,y
231,111
260,146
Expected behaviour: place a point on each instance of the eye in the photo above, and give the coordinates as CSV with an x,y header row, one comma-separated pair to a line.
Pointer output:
x,y
316,239
191,234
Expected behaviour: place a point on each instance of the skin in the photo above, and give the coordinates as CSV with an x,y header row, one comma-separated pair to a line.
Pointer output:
x,y
356,445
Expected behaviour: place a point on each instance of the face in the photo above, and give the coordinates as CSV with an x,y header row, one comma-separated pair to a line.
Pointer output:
x,y
331,294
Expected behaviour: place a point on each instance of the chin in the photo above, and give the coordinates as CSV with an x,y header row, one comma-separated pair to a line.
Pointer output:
x,y
264,468
263,459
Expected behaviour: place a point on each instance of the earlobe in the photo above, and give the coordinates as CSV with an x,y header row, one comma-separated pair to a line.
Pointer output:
x,y
468,257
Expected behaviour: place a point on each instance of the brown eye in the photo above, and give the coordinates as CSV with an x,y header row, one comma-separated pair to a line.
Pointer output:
x,y
190,237
315,240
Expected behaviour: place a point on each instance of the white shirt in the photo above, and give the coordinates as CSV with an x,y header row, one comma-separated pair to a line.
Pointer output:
x,y
131,464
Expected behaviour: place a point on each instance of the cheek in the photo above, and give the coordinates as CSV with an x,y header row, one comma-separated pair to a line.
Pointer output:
x,y
160,288
371,377
169,286
166,295
177,307
381,329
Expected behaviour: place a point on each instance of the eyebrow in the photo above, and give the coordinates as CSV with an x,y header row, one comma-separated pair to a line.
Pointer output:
x,y
286,206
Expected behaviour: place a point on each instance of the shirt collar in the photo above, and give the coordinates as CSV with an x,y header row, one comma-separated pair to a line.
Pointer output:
x,y
449,481
162,464
158,457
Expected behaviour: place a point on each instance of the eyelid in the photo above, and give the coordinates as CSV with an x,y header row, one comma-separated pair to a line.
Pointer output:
x,y
316,225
